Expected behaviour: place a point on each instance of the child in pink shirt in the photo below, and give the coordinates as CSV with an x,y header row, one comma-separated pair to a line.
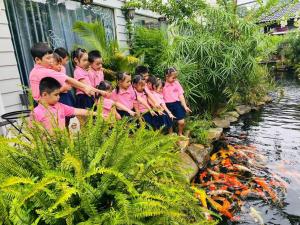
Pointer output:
x,y
96,74
174,98
143,106
109,105
42,55
81,64
165,119
63,53
144,72
51,113
66,96
125,94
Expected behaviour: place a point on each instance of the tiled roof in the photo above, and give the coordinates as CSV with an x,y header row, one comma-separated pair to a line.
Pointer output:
x,y
290,10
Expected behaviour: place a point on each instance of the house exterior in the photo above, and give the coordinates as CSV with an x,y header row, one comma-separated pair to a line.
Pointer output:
x,y
25,22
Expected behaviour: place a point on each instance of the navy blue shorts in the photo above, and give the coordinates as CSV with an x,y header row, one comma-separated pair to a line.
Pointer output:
x,y
67,99
148,118
176,109
162,121
123,113
84,101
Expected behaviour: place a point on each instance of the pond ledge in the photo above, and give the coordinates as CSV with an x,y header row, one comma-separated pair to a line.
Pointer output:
x,y
196,156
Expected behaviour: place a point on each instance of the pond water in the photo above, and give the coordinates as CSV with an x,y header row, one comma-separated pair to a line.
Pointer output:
x,y
275,131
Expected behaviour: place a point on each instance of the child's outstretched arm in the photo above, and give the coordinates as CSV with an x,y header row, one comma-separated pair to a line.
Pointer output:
x,y
142,101
124,108
168,111
84,112
152,99
183,103
89,90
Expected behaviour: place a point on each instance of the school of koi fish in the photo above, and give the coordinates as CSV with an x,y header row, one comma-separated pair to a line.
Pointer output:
x,y
234,174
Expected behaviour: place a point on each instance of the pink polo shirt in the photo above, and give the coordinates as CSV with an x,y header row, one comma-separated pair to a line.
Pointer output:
x,y
81,75
172,91
107,106
125,97
52,116
95,77
38,73
158,97
63,69
141,106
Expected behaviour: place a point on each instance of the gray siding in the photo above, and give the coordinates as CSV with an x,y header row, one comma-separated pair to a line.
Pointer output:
x,y
10,83
119,19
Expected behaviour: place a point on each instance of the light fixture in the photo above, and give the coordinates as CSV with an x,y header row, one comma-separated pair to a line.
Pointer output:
x,y
130,13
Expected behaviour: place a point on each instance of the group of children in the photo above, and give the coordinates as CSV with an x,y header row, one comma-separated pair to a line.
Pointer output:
x,y
160,103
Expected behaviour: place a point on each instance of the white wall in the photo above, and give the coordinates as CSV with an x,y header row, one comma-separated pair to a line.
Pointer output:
x,y
120,18
10,84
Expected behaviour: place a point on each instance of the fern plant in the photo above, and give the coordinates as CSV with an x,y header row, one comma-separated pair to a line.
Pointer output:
x,y
102,175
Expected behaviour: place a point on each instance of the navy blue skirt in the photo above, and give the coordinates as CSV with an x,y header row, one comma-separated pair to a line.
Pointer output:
x,y
176,109
84,101
162,121
67,99
123,113
148,118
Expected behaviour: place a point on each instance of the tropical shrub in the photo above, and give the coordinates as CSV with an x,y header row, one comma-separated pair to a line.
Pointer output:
x,y
102,175
215,55
150,44
93,35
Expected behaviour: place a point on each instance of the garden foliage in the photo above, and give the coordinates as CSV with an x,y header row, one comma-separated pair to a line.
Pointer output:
x,y
104,175
216,54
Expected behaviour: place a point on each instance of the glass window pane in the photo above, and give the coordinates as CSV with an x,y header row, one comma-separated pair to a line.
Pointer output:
x,y
50,21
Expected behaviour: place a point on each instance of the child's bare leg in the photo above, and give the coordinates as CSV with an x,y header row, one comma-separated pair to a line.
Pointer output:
x,y
171,130
181,125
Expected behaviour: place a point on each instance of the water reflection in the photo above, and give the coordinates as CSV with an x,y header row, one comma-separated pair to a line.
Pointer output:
x,y
275,130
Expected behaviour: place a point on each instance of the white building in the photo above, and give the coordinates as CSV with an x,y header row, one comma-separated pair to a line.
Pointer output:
x,y
25,22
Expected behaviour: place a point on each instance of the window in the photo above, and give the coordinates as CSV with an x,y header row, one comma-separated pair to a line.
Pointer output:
x,y
51,21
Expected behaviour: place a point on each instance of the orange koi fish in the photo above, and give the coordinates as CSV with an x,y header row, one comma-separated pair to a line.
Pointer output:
x,y
265,186
220,208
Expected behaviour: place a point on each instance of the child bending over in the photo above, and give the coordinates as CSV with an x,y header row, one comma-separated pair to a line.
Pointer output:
x,y
50,112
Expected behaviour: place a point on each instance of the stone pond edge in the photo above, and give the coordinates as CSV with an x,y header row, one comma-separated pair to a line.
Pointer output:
x,y
196,156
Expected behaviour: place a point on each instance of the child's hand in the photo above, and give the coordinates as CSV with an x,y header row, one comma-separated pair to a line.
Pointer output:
x,y
160,112
118,116
131,113
89,91
152,113
187,109
172,117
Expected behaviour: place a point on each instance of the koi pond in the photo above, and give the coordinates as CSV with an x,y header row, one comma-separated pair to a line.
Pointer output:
x,y
275,132
267,142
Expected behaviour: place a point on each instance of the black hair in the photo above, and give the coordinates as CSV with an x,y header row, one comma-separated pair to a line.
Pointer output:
x,y
152,80
39,50
57,57
159,82
140,70
77,53
93,55
120,77
137,79
62,52
170,70
49,85
104,86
